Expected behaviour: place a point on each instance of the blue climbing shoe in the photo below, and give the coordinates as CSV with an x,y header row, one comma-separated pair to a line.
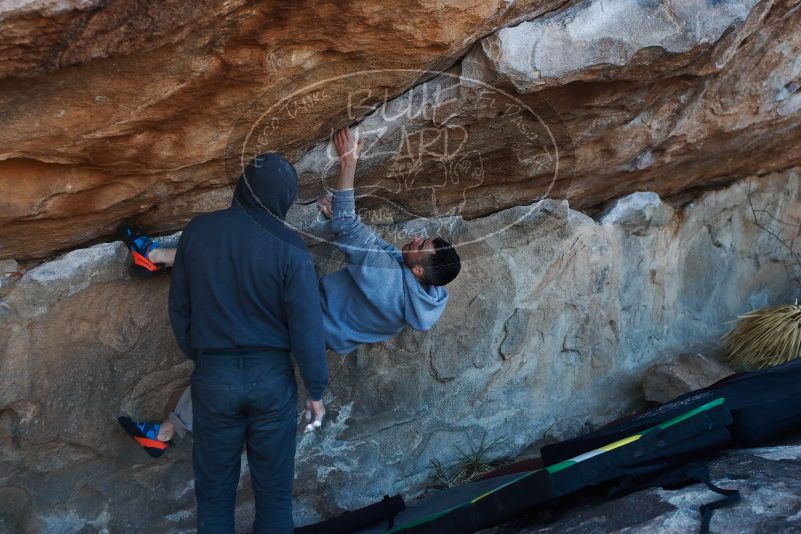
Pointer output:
x,y
145,434
140,246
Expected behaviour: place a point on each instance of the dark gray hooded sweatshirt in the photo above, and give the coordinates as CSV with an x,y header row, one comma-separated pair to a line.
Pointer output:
x,y
243,280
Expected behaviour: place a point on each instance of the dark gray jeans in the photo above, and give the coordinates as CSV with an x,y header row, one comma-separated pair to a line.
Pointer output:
x,y
244,399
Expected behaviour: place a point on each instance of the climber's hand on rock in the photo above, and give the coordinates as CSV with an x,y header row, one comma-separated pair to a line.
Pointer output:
x,y
315,411
348,147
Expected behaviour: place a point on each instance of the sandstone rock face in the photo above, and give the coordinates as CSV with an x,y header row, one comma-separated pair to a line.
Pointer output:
x,y
550,329
768,479
489,121
146,110
110,109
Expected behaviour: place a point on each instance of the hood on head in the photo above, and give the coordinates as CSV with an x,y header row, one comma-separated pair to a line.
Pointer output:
x,y
273,180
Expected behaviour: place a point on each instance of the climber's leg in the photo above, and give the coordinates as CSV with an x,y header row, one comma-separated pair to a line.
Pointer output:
x,y
142,249
180,419
164,256
146,434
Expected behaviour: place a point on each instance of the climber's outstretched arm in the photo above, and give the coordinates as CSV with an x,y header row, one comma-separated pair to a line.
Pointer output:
x,y
362,246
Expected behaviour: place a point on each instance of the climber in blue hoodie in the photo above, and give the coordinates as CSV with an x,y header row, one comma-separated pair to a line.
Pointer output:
x,y
381,290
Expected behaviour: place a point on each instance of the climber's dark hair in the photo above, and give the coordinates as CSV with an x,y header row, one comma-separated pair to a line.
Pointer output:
x,y
443,265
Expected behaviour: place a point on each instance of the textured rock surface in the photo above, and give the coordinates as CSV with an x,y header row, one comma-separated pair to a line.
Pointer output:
x,y
133,109
144,110
677,376
550,328
111,108
587,40
769,480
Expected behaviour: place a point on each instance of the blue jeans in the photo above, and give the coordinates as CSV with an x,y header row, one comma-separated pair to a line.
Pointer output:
x,y
244,399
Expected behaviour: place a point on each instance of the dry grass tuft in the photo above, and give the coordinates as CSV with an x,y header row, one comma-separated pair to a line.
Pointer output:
x,y
471,465
764,338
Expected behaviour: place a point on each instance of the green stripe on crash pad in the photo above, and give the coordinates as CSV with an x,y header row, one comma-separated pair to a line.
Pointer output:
x,y
555,468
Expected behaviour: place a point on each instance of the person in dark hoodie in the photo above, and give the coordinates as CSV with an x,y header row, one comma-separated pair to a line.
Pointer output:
x,y
243,295
380,291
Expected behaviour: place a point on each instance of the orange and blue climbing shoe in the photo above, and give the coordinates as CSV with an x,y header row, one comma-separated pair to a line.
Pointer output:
x,y
140,246
146,435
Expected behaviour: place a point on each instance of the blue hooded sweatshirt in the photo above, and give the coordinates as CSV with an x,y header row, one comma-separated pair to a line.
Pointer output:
x,y
376,295
242,280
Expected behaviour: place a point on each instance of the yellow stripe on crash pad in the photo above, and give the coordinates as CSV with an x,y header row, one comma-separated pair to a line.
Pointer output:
x,y
620,443
600,450
513,481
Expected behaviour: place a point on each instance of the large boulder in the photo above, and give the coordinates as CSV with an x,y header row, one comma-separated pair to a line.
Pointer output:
x,y
114,109
549,330
147,110
502,125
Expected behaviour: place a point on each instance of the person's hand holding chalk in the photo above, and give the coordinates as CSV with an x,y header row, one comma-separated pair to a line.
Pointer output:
x,y
314,410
